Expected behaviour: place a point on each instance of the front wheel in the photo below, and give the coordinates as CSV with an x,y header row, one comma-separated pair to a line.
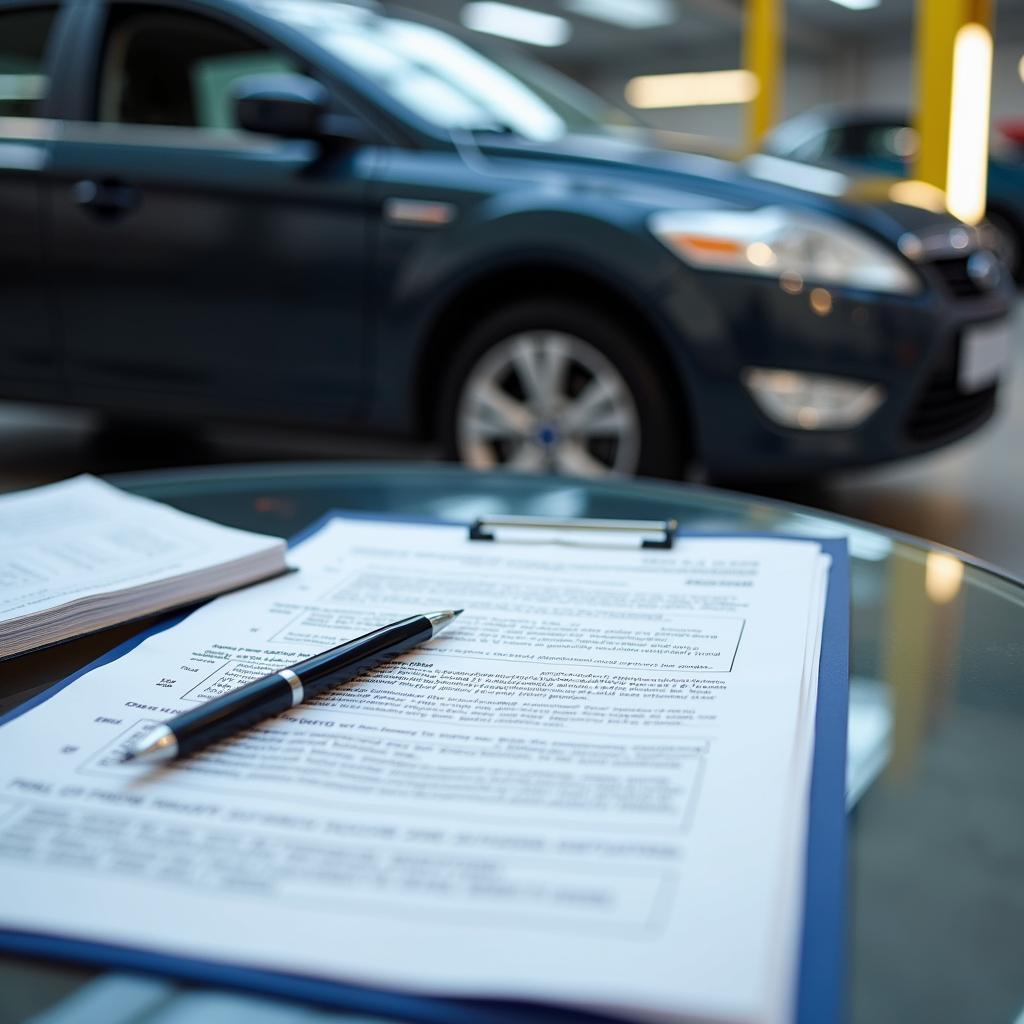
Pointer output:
x,y
549,386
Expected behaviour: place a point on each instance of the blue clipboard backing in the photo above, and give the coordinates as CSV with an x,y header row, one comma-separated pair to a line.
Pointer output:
x,y
819,993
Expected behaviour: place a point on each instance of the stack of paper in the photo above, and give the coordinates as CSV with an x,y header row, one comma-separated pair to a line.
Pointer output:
x,y
81,555
590,791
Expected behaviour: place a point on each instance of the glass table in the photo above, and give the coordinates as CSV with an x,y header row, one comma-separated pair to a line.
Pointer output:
x,y
936,775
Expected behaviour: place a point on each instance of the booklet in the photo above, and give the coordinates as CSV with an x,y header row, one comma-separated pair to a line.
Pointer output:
x,y
591,792
81,555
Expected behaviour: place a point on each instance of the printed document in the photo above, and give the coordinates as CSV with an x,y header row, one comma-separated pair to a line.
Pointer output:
x,y
591,790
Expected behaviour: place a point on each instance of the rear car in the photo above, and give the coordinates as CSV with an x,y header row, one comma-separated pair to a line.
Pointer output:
x,y
881,141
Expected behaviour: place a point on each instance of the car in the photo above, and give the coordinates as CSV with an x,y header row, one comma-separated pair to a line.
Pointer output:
x,y
316,212
884,141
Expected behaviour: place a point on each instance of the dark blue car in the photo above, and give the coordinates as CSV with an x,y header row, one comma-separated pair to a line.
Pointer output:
x,y
309,211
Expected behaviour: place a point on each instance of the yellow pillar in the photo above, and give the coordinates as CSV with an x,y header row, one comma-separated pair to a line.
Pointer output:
x,y
763,30
944,160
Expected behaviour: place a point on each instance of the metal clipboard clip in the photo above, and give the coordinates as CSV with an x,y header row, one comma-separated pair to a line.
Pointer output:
x,y
663,529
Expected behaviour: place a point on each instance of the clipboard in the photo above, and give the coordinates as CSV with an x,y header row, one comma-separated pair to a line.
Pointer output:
x,y
819,992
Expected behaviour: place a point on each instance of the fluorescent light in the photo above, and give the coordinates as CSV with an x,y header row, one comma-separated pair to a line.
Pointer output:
x,y
857,5
519,23
692,89
967,162
625,13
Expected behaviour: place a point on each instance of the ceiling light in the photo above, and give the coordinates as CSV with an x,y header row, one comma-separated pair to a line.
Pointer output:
x,y
858,5
625,13
519,23
692,89
1020,69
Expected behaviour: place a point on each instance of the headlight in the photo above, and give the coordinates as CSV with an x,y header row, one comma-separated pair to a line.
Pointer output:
x,y
776,242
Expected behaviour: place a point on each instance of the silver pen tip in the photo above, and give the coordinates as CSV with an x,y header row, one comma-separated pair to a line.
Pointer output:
x,y
159,744
438,620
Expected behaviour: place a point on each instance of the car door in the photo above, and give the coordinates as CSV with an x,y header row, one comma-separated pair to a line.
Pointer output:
x,y
200,268
28,357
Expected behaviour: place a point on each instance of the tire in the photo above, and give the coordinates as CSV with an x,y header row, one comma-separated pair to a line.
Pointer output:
x,y
548,385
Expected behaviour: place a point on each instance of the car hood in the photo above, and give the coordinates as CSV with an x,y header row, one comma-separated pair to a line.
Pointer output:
x,y
644,168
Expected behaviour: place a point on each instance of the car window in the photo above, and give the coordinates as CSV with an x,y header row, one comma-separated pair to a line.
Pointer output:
x,y
891,142
23,80
812,148
167,67
875,142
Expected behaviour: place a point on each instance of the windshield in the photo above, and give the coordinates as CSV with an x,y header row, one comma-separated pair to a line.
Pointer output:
x,y
443,80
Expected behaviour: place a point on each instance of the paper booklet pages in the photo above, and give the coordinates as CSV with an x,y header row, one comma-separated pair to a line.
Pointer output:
x,y
80,555
591,790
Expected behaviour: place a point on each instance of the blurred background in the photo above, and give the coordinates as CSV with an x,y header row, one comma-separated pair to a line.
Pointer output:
x,y
868,91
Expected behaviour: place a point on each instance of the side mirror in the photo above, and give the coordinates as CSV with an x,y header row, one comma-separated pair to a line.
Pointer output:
x,y
287,105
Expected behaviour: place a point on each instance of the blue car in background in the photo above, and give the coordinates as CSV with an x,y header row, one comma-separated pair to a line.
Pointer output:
x,y
318,212
884,142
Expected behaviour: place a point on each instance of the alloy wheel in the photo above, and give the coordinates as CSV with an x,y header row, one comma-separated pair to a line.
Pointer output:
x,y
545,401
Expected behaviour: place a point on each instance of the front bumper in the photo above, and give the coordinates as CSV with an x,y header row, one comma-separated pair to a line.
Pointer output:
x,y
721,325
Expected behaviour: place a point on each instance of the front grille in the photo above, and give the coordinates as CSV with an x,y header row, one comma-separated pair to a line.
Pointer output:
x,y
945,411
955,277
942,409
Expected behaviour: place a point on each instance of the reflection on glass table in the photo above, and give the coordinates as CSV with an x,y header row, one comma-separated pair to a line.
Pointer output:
x,y
936,728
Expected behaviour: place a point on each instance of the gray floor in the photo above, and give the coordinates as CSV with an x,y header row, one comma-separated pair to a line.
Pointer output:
x,y
969,496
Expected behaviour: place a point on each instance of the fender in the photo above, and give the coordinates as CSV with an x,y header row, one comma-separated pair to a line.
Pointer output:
x,y
494,240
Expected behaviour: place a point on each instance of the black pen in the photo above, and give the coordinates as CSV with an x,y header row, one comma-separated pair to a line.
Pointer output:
x,y
272,694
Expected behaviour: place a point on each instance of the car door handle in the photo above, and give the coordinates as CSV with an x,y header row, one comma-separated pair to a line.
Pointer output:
x,y
105,198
